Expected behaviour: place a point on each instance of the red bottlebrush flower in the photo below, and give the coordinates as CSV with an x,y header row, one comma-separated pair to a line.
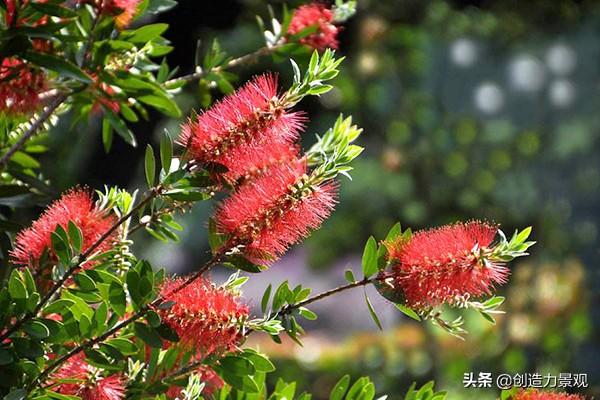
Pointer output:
x,y
109,388
212,382
75,368
319,16
259,160
444,265
20,86
268,214
534,394
88,385
242,127
123,10
75,205
205,317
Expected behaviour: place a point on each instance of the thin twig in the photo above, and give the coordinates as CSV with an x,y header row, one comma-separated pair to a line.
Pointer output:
x,y
291,307
251,57
33,128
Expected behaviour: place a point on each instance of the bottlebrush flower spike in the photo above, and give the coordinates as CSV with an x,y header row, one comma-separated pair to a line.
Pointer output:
x,y
83,381
322,18
20,86
274,211
534,394
75,205
446,264
74,369
242,127
259,161
109,388
206,317
123,10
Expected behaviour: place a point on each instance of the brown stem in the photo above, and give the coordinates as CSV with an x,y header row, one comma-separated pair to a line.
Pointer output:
x,y
191,367
80,260
37,124
248,58
291,307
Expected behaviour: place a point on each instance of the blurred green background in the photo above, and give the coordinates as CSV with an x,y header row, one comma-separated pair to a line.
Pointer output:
x,y
478,109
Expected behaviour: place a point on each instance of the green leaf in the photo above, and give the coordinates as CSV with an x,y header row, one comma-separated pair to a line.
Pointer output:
x,y
153,319
107,135
119,126
150,166
60,247
84,282
16,288
52,9
488,317
117,299
349,275
58,306
27,348
369,258
75,236
239,262
148,335
125,346
313,64
237,366
58,64
307,314
215,239
408,311
36,330
145,33
493,302
264,303
24,160
394,232
166,332
162,103
99,320
281,295
340,388
523,235
318,90
166,152
260,362
245,384
28,280
372,312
